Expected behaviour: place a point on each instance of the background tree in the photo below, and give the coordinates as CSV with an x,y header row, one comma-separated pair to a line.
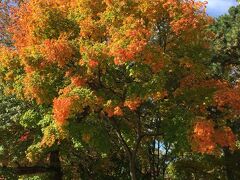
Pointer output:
x,y
225,64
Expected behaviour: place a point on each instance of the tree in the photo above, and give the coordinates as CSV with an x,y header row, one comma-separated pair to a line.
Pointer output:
x,y
129,74
19,121
225,64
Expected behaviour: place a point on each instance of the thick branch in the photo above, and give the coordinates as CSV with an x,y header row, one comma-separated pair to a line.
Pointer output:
x,y
119,134
28,170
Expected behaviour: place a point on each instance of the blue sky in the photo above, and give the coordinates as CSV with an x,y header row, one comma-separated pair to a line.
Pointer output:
x,y
219,7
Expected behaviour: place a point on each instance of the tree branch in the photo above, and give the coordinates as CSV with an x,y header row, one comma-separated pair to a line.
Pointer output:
x,y
28,170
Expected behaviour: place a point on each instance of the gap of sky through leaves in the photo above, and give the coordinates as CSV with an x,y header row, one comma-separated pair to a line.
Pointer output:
x,y
217,8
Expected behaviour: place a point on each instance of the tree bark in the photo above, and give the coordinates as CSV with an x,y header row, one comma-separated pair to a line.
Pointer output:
x,y
132,164
227,163
55,164
130,153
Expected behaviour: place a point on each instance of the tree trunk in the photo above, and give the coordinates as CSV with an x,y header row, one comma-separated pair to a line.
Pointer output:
x,y
56,165
227,163
132,164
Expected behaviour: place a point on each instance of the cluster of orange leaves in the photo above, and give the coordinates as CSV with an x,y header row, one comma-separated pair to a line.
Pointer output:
x,y
136,38
194,80
62,109
114,111
78,81
183,15
190,17
93,63
133,104
72,100
228,97
24,19
200,81
89,27
206,138
57,51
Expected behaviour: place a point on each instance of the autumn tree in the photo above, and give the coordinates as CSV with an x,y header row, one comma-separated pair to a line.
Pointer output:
x,y
225,65
216,135
129,74
19,119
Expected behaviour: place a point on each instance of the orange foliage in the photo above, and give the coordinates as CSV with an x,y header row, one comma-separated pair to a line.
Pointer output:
x,y
93,63
190,17
198,81
28,69
203,137
225,137
57,51
62,109
125,47
65,90
228,97
77,81
133,104
117,111
206,137
108,2
71,102
21,28
48,140
68,73
183,15
109,111
89,28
